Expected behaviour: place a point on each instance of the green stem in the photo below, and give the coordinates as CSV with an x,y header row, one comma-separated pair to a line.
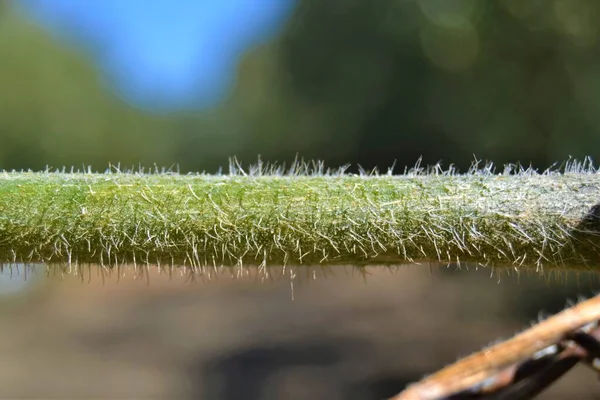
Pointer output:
x,y
526,220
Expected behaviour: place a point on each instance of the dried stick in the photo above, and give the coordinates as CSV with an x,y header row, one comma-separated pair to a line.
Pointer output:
x,y
493,364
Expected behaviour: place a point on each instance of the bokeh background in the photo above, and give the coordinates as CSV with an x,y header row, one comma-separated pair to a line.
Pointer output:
x,y
353,81
187,84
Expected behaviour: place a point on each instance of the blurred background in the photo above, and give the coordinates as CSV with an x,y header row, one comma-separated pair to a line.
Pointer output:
x,y
188,84
351,81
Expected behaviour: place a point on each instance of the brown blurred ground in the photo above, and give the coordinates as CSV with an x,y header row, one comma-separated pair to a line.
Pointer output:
x,y
343,336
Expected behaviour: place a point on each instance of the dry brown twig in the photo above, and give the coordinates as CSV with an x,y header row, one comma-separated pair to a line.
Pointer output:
x,y
522,366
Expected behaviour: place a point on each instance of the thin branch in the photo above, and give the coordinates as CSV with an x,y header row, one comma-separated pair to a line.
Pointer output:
x,y
521,366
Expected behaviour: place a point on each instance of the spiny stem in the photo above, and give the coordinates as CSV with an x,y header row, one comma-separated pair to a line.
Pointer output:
x,y
522,219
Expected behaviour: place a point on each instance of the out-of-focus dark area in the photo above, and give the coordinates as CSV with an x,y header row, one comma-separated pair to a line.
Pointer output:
x,y
365,82
330,335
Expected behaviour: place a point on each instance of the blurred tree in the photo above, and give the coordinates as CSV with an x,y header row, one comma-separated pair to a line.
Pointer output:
x,y
55,111
348,81
372,82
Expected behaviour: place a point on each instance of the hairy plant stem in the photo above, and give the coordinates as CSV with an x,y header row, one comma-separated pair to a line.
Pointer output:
x,y
522,219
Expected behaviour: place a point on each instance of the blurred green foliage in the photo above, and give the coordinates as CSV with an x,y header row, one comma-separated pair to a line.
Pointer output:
x,y
357,81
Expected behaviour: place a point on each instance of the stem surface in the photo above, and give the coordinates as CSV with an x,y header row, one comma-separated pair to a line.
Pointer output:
x,y
524,219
